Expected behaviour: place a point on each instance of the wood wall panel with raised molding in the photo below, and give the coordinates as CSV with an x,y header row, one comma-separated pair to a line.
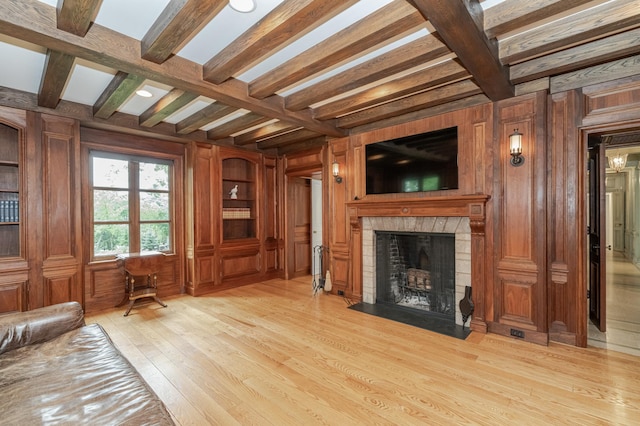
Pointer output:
x,y
272,239
201,260
339,194
62,243
519,302
565,221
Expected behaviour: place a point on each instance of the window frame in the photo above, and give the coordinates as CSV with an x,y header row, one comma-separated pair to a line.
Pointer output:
x,y
134,222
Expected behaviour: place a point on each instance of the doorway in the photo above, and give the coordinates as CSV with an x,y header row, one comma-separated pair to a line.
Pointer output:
x,y
304,224
619,327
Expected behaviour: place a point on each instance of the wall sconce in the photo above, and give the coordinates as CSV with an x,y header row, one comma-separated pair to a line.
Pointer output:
x,y
335,167
515,148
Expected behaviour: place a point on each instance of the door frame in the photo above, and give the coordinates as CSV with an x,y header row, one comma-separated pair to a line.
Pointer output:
x,y
304,172
582,303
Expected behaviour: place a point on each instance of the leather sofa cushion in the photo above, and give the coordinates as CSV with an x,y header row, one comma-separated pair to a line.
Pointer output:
x,y
77,378
39,325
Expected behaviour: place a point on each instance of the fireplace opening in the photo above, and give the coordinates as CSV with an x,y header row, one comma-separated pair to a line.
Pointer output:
x,y
416,270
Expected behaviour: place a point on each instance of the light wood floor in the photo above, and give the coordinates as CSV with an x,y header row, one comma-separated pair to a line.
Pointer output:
x,y
273,354
623,308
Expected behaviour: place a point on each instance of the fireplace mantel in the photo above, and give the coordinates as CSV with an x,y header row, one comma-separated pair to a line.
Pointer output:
x,y
455,205
471,206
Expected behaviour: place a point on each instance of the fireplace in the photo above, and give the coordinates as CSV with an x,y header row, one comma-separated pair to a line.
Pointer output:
x,y
386,277
416,270
462,216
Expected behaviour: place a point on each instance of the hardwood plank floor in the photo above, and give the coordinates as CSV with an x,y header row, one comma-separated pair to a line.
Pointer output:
x,y
273,354
623,308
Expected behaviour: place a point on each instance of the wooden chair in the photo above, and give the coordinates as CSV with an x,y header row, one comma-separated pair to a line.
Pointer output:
x,y
140,275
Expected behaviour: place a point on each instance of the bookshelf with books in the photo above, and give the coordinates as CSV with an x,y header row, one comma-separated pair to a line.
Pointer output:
x,y
9,191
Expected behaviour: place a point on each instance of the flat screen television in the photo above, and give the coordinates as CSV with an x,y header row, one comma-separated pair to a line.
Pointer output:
x,y
418,163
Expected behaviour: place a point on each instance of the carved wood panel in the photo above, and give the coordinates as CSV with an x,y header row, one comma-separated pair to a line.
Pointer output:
x,y
566,277
13,294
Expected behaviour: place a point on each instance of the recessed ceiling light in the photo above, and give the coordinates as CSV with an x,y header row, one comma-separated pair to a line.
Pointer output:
x,y
144,93
244,6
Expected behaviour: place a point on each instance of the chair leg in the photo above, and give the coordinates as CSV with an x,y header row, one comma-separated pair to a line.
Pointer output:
x,y
129,307
157,299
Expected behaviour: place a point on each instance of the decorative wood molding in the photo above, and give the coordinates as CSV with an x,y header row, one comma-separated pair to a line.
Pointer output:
x,y
456,205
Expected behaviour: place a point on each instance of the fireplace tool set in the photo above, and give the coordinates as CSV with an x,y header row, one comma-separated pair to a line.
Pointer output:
x,y
319,283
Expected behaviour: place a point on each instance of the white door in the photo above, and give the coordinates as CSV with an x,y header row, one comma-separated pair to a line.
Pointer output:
x,y
316,224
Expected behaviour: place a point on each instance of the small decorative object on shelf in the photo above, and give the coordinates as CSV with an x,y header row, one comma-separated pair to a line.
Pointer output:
x,y
233,194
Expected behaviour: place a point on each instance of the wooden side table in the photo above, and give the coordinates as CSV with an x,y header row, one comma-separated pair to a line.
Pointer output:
x,y
140,276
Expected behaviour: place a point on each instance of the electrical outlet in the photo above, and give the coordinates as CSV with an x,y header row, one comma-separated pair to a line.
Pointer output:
x,y
340,293
517,333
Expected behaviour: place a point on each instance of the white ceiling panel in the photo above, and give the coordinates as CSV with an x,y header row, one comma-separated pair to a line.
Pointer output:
x,y
27,63
87,82
130,17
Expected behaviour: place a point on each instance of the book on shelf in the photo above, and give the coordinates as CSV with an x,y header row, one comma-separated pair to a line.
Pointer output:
x,y
9,211
236,213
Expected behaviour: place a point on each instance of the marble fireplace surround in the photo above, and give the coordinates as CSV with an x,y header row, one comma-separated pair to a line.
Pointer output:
x,y
463,216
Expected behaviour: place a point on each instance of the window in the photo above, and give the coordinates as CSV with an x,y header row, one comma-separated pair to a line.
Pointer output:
x,y
131,204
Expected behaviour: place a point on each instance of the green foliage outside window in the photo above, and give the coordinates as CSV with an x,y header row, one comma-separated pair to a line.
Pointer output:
x,y
113,199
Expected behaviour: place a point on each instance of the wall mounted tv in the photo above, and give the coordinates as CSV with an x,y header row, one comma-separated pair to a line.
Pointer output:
x,y
417,163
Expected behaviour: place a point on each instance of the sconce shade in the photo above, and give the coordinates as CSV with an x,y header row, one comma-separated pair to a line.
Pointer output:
x,y
618,162
244,6
335,170
515,148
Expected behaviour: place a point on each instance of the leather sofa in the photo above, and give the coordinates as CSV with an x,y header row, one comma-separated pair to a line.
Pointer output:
x,y
54,369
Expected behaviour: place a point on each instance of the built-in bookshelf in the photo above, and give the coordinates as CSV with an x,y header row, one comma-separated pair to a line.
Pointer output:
x,y
9,191
238,199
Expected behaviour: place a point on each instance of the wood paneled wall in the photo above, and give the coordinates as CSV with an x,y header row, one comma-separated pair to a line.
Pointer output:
x,y
49,267
519,217
62,243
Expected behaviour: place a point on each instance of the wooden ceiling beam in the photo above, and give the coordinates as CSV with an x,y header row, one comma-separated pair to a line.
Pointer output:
x,y
57,68
170,103
444,94
76,16
420,51
622,68
459,24
210,113
267,131
509,16
582,27
442,73
586,55
230,127
284,25
378,29
178,23
34,22
463,103
305,145
119,122
287,139
117,92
